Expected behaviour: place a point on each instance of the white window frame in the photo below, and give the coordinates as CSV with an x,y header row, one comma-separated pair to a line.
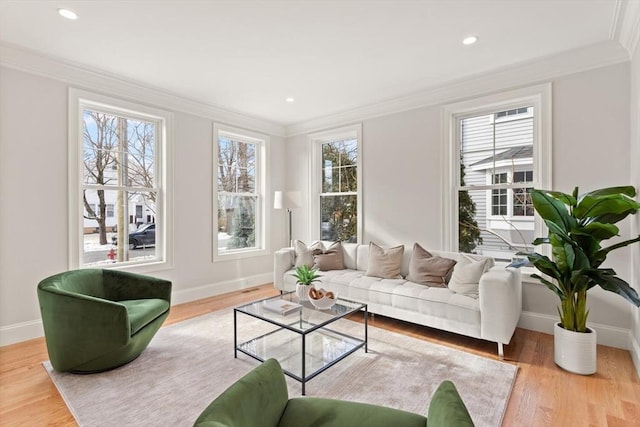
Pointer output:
x,y
315,141
78,101
540,98
262,216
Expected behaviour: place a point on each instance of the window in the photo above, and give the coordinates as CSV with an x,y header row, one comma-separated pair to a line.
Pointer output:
x,y
499,196
336,188
119,152
239,192
512,202
498,150
522,203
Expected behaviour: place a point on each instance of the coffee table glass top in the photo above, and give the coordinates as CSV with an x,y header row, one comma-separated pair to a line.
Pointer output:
x,y
303,320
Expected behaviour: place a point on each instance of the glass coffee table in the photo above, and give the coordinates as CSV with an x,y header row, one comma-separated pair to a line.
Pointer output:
x,y
306,341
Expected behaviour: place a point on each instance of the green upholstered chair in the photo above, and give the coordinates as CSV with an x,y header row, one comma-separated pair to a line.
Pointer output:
x,y
260,399
95,320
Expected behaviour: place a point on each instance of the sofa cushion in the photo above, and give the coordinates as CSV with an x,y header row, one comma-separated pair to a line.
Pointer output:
x,y
317,411
427,269
141,312
330,258
466,276
304,253
385,264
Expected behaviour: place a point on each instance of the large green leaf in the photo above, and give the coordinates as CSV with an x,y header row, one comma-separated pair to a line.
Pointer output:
x,y
616,285
552,210
628,190
563,254
602,206
608,218
598,230
605,251
544,264
562,197
540,241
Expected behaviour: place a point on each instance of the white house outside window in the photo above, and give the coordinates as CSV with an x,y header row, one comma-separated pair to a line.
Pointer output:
x,y
119,149
239,192
498,150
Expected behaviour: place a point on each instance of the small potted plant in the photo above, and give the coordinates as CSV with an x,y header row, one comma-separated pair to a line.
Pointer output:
x,y
577,226
305,277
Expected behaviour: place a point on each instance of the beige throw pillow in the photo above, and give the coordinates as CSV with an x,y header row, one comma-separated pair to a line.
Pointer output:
x,y
385,264
428,270
466,276
304,253
330,259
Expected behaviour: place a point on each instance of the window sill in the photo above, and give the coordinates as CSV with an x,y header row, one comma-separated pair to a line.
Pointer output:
x,y
141,268
233,255
526,273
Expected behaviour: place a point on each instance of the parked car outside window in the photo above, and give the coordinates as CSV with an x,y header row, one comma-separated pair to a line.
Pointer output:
x,y
143,236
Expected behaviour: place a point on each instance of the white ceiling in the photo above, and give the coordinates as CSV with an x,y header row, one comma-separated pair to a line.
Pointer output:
x,y
331,56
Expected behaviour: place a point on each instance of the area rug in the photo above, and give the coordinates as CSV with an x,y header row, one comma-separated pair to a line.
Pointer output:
x,y
189,363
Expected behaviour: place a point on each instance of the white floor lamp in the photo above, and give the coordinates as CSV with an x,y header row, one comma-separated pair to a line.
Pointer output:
x,y
287,200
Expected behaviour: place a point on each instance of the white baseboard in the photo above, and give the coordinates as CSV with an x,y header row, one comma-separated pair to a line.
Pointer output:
x,y
634,349
206,291
607,335
24,331
19,332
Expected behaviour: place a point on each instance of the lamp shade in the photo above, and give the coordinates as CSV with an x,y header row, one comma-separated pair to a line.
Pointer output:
x,y
286,199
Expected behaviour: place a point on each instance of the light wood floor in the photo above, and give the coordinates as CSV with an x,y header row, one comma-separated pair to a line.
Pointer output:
x,y
543,394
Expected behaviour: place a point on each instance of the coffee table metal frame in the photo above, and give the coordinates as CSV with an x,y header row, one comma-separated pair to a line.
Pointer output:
x,y
303,328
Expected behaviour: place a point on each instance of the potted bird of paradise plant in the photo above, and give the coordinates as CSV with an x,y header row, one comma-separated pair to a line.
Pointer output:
x,y
578,224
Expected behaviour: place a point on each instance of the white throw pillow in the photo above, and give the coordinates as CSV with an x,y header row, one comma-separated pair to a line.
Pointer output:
x,y
466,275
304,254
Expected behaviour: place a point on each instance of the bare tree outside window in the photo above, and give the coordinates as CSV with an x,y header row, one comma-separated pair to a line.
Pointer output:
x,y
339,195
237,195
119,155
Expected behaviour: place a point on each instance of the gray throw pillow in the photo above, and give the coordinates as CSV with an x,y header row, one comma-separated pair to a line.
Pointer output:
x,y
304,253
385,264
466,275
330,259
429,270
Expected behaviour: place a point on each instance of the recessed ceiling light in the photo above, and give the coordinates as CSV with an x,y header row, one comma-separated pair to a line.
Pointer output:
x,y
290,100
66,13
469,40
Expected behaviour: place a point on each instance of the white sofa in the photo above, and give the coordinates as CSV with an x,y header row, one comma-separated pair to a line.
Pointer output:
x,y
492,317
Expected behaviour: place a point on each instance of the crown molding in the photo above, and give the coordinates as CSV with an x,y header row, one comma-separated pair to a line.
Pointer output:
x,y
625,28
86,78
526,73
510,77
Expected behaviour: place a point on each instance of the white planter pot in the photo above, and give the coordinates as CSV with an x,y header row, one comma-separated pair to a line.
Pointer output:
x,y
575,351
302,291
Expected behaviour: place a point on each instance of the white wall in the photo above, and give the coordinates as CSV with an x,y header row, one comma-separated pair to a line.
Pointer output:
x,y
33,203
635,177
402,167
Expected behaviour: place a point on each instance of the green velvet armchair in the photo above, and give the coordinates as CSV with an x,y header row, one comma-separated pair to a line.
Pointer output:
x,y
95,320
260,399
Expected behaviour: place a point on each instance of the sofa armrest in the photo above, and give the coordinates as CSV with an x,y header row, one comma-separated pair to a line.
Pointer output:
x,y
500,303
74,326
283,261
447,408
256,400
